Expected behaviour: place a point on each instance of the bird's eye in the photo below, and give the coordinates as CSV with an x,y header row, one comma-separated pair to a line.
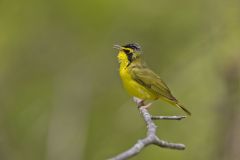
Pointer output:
x,y
126,51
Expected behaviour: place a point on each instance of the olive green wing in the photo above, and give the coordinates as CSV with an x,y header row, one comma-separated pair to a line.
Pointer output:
x,y
151,81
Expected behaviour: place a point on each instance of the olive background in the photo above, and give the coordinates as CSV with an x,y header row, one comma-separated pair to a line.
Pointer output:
x,y
61,97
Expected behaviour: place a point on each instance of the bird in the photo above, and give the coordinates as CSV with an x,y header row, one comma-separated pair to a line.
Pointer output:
x,y
139,80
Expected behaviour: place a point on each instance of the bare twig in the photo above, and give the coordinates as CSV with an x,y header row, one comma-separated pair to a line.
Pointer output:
x,y
167,117
151,137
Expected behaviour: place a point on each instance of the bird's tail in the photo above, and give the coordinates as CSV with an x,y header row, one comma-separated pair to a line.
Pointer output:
x,y
183,108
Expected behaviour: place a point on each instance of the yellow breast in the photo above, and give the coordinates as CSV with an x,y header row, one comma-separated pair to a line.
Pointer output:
x,y
133,87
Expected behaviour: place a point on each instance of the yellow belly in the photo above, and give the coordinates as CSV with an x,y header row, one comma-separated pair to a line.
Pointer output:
x,y
134,88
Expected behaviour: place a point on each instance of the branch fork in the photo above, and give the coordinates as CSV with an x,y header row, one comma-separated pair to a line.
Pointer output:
x,y
151,137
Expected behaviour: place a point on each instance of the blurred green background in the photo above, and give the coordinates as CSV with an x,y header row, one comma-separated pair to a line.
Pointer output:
x,y
61,97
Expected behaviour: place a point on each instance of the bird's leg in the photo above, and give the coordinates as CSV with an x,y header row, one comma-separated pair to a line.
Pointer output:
x,y
140,102
146,106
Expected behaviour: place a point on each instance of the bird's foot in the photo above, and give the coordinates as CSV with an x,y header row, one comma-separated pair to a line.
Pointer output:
x,y
139,102
146,106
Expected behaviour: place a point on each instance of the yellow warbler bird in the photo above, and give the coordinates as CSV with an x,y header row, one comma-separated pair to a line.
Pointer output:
x,y
139,80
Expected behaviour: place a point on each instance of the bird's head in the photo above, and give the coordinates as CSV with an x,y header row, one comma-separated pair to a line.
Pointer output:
x,y
128,53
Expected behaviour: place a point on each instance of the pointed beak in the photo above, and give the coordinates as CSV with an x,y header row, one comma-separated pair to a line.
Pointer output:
x,y
118,47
